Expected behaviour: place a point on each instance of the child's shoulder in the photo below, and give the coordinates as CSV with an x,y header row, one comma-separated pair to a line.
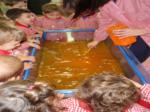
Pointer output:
x,y
145,92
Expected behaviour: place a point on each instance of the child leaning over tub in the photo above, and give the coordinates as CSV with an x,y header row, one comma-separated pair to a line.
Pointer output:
x,y
109,92
23,21
132,13
12,42
53,18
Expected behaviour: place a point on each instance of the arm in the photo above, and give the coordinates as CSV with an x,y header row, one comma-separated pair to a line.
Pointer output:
x,y
103,22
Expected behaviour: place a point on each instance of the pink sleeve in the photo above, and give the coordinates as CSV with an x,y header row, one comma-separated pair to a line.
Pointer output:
x,y
95,20
145,92
103,21
24,46
109,14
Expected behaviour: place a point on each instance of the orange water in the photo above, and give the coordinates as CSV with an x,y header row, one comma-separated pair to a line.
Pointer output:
x,y
66,65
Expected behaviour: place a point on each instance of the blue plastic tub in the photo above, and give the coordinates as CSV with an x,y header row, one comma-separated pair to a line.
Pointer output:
x,y
129,58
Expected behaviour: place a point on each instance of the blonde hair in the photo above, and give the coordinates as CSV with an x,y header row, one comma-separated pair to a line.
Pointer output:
x,y
9,66
108,92
48,8
17,35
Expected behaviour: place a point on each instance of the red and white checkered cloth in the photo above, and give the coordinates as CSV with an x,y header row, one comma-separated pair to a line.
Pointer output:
x,y
75,105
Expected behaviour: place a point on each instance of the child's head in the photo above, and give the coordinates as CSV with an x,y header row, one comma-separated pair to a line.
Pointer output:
x,y
16,3
25,96
20,15
52,11
7,21
9,34
108,92
10,66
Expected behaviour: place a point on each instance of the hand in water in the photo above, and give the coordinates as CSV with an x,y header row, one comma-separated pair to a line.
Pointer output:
x,y
92,44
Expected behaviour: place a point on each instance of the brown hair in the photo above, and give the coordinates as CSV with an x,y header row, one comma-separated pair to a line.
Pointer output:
x,y
15,13
12,2
108,92
25,96
4,21
48,8
16,34
9,66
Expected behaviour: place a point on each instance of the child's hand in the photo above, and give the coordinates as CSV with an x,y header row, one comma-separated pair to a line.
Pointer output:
x,y
26,58
123,33
34,43
92,44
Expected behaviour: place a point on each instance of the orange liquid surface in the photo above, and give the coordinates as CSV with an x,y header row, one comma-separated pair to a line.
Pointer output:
x,y
66,65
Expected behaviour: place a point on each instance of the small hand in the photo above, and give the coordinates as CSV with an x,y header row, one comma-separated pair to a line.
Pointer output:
x,y
26,58
123,33
92,44
34,43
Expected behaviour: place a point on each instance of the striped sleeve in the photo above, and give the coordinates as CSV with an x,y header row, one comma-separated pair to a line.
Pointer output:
x,y
72,105
145,92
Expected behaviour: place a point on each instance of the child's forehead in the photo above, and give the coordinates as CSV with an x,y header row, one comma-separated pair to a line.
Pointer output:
x,y
26,13
54,12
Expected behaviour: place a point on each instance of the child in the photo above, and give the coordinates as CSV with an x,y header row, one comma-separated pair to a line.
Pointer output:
x,y
109,92
125,12
53,19
53,16
11,42
10,66
25,96
32,96
23,20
